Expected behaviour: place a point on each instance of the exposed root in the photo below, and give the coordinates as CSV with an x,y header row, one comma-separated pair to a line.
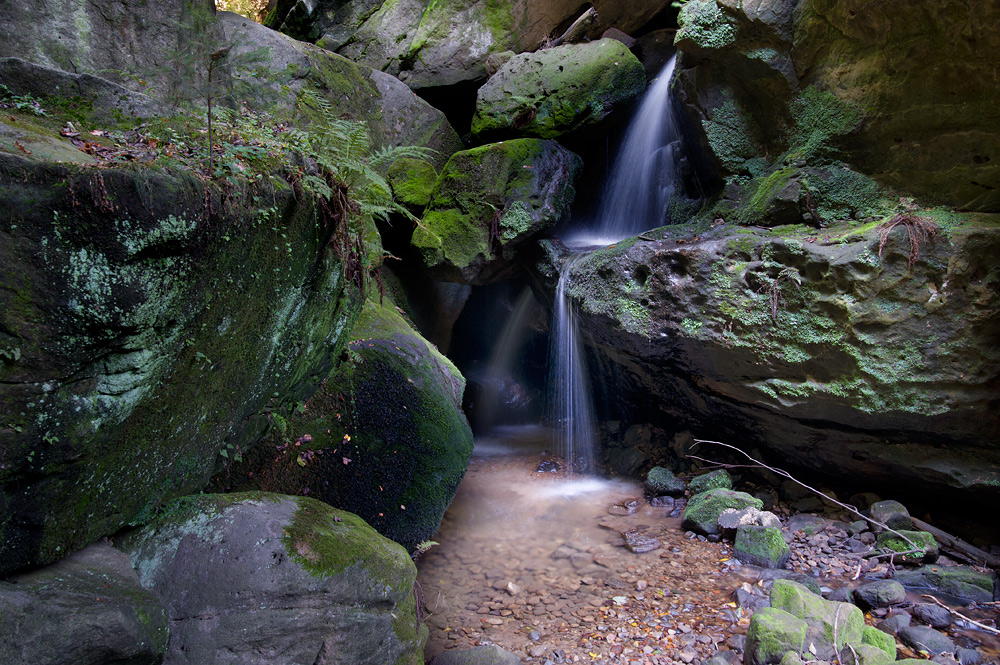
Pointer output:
x,y
919,230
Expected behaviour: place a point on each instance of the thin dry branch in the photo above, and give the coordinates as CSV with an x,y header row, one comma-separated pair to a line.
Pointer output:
x,y
795,480
962,616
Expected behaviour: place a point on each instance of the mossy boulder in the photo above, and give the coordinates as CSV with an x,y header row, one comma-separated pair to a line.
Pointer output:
x,y
145,325
661,481
773,633
489,202
919,540
891,513
880,640
278,575
768,337
718,479
556,91
86,608
761,546
961,581
879,593
412,182
867,654
702,512
832,625
384,437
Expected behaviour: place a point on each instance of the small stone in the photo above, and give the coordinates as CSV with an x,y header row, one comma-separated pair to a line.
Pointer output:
x,y
924,638
536,651
934,616
534,636
968,657
881,593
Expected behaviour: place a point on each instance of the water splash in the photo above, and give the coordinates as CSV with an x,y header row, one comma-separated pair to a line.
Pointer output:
x,y
574,407
642,179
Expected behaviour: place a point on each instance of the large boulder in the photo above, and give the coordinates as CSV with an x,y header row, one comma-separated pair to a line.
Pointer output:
x,y
144,326
488,202
384,437
88,608
811,346
558,90
703,510
832,625
832,90
430,44
263,578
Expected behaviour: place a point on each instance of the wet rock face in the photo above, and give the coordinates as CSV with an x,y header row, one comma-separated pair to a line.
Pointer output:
x,y
488,202
265,578
761,336
872,82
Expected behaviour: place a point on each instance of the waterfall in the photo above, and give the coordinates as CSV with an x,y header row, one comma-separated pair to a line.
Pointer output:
x,y
573,408
642,179
501,370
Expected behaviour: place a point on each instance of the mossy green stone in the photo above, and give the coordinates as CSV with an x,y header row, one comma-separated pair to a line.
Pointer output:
x,y
412,181
962,581
920,539
661,481
718,479
704,25
879,640
773,633
703,510
761,546
831,617
559,90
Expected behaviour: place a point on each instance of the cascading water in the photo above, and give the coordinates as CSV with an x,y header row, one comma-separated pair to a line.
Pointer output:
x,y
574,407
642,179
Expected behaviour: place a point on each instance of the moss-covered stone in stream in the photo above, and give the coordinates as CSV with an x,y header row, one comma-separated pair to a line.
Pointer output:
x,y
703,510
880,640
384,437
761,546
773,633
838,624
923,542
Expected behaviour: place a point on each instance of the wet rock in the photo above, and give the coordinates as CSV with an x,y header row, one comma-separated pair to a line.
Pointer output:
x,y
968,657
661,481
891,513
547,466
933,615
882,641
761,546
662,502
719,478
893,623
481,655
964,582
806,523
924,638
87,608
881,593
555,91
703,510
639,542
626,507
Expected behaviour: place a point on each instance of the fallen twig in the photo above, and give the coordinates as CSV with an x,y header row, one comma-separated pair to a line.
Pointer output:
x,y
785,474
957,546
962,616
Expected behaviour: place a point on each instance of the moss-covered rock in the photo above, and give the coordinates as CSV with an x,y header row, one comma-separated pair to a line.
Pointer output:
x,y
761,546
146,324
832,625
703,510
919,540
766,337
558,90
488,202
718,479
867,654
773,633
384,437
960,581
882,641
412,182
661,481
891,513
278,574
